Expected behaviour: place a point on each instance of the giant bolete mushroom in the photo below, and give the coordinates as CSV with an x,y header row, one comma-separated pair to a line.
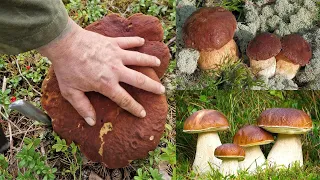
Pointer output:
x,y
230,154
250,137
118,137
210,30
206,123
261,52
295,52
289,123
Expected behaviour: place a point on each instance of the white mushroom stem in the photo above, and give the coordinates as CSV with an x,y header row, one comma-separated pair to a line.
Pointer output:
x,y
253,159
286,151
287,69
229,167
265,68
207,143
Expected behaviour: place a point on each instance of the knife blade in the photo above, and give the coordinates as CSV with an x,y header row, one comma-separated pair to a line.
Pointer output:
x,y
30,111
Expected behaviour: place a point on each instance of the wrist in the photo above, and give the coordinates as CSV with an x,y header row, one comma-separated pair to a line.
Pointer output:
x,y
57,47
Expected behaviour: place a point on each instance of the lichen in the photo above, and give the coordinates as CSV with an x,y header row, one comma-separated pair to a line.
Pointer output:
x,y
187,60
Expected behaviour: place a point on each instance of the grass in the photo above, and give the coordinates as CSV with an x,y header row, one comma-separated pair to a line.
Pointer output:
x,y
243,107
24,74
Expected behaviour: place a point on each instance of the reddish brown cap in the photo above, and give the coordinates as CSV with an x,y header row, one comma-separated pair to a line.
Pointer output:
x,y
251,135
296,49
113,25
206,121
230,151
159,50
118,136
209,28
285,121
264,46
147,27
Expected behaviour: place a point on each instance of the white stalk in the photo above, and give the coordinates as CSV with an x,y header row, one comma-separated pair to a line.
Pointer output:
x,y
286,151
287,69
229,167
265,68
253,159
207,143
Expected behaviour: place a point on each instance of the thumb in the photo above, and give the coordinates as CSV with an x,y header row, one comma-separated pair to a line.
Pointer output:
x,y
82,105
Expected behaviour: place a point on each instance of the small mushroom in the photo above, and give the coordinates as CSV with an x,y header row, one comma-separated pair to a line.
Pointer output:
x,y
289,123
295,52
261,52
206,123
210,30
250,137
230,154
118,137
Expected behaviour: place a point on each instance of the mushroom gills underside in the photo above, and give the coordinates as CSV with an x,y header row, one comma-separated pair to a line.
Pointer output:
x,y
229,167
253,159
286,151
206,145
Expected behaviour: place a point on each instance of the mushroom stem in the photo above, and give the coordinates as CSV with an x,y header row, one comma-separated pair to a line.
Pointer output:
x,y
253,158
207,143
287,69
213,59
229,167
265,68
286,151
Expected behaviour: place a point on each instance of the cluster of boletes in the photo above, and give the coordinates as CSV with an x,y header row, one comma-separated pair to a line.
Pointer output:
x,y
210,30
269,55
118,137
245,153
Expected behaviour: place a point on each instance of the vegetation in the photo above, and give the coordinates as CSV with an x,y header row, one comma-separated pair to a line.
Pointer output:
x,y
36,143
241,108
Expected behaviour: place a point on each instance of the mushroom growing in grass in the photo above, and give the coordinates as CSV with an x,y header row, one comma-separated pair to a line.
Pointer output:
x,y
261,52
289,123
118,137
295,52
206,123
210,30
230,154
250,137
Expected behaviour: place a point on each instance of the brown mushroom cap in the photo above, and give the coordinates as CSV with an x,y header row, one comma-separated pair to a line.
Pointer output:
x,y
147,27
251,135
118,136
264,46
209,28
296,49
206,121
285,121
230,151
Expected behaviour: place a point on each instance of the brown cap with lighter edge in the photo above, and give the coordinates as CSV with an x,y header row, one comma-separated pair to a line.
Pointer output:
x,y
251,135
230,151
264,46
209,28
118,137
285,121
295,49
147,27
206,121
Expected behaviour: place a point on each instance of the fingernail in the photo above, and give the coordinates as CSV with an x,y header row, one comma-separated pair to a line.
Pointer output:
x,y
162,89
143,113
90,121
142,40
158,61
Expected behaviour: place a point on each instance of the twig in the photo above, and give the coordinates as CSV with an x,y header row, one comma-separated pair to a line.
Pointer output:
x,y
7,119
25,135
171,41
17,63
4,84
22,132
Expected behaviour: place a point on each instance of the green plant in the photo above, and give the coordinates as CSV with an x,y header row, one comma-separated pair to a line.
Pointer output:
x,y
4,174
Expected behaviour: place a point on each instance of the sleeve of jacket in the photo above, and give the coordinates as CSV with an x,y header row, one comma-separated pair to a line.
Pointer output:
x,y
30,24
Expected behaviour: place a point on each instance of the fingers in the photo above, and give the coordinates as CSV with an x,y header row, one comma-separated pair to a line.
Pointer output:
x,y
139,59
141,81
82,105
129,42
121,97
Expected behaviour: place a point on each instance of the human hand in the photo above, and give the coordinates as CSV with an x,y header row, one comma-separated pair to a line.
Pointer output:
x,y
85,61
